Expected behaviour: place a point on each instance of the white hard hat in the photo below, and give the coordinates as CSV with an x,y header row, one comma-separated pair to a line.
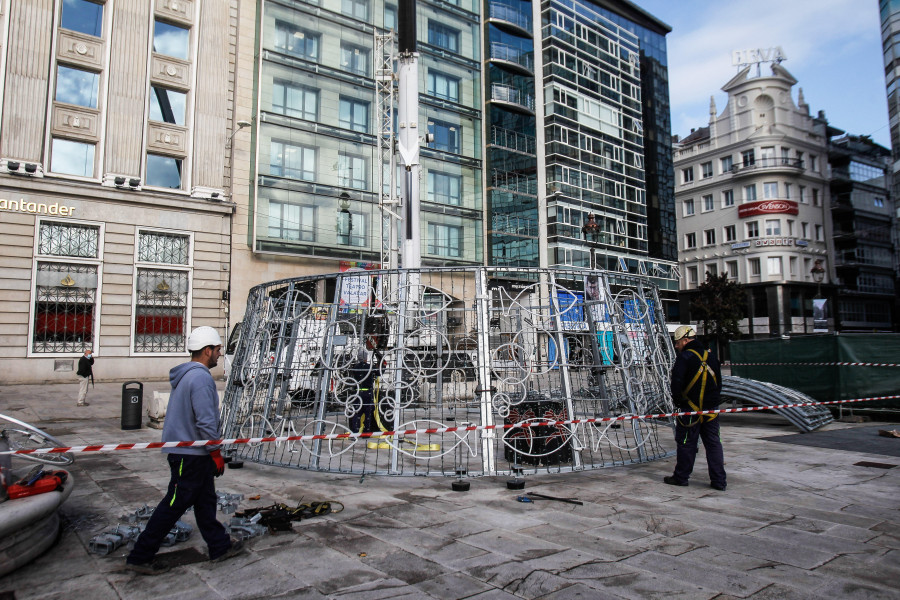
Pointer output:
x,y
202,337
685,331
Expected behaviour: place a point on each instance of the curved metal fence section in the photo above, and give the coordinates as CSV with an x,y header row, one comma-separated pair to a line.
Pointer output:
x,y
432,348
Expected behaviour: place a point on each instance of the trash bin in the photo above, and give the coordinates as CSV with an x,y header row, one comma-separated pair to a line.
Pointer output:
x,y
132,401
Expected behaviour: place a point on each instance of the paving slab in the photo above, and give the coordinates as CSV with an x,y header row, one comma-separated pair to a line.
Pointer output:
x,y
795,522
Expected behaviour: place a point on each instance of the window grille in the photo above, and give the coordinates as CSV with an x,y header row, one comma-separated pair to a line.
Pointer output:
x,y
160,310
68,239
64,299
168,248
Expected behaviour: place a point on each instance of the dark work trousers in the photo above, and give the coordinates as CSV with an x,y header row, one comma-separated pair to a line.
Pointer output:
x,y
687,439
363,420
192,484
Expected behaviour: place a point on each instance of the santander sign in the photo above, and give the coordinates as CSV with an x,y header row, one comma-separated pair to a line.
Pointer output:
x,y
767,207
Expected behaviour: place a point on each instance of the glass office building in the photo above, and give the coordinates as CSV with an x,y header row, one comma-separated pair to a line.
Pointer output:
x,y
317,159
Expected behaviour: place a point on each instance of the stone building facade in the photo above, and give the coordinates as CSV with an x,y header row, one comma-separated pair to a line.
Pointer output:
x,y
752,193
114,218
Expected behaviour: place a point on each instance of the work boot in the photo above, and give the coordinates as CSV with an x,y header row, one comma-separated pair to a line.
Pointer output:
x,y
717,486
83,404
672,481
237,547
154,567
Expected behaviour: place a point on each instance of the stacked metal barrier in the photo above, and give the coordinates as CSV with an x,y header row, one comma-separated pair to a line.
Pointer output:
x,y
451,347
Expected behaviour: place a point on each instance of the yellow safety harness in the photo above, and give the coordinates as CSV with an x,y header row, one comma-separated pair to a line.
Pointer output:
x,y
703,373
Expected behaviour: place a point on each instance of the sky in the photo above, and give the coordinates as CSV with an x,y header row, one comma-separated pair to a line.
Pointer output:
x,y
833,49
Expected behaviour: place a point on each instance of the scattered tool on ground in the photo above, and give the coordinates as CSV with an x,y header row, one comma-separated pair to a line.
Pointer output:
x,y
533,495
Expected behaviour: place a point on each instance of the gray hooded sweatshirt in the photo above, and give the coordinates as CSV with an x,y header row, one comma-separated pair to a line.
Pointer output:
x,y
193,411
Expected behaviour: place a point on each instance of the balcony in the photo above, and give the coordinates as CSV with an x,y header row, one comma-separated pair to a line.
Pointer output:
x,y
512,140
512,58
769,165
512,98
514,182
510,19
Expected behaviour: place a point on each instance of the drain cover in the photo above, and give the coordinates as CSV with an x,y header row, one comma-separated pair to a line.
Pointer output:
x,y
874,465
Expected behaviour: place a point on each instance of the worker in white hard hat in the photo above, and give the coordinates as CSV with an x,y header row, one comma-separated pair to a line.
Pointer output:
x,y
192,414
696,386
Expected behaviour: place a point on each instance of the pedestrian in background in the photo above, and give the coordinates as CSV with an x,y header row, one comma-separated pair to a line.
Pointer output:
x,y
86,375
192,414
696,386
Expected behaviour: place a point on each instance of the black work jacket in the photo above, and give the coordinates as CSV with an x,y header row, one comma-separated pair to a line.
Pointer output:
x,y
84,366
686,366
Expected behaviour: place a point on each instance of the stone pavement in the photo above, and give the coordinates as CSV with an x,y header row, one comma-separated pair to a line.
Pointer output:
x,y
795,522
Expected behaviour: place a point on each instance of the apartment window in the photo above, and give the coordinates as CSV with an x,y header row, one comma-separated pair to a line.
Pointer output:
x,y
712,269
767,156
296,41
688,207
878,202
352,228
72,158
292,222
709,237
358,9
815,198
748,158
790,227
730,233
295,100
813,163
445,240
727,164
355,59
818,233
292,160
162,291
65,288
444,188
353,171
708,203
171,40
167,106
446,136
75,86
800,159
82,16
354,114
707,170
692,275
793,263
754,266
750,193
752,229
163,171
731,267
443,36
787,190
803,199
770,190
443,86
390,17
727,198
773,226
774,265
687,175
690,240
804,230
785,156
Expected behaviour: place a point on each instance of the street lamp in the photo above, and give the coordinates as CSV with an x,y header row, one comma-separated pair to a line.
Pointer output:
x,y
591,232
818,275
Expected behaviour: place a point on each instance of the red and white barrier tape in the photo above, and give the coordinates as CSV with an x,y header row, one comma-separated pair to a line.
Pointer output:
x,y
810,364
386,434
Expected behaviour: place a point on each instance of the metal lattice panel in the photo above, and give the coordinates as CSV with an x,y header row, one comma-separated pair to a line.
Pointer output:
x,y
64,300
161,310
168,248
452,347
68,239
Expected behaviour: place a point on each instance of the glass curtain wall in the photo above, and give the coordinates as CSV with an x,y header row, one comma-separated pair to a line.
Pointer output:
x,y
317,141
